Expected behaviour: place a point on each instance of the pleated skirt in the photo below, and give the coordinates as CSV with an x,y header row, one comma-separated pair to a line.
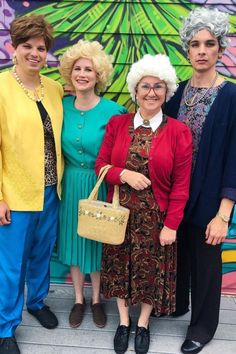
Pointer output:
x,y
74,250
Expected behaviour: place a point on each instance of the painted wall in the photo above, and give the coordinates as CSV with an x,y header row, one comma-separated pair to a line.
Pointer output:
x,y
127,29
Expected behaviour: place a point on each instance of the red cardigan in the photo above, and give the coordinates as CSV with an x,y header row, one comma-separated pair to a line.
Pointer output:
x,y
170,160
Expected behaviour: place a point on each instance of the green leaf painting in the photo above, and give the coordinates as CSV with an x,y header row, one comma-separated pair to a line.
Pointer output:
x,y
127,29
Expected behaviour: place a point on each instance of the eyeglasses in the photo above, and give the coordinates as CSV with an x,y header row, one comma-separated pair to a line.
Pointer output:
x,y
146,88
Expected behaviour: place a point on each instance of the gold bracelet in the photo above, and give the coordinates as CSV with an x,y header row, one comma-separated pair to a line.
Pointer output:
x,y
223,217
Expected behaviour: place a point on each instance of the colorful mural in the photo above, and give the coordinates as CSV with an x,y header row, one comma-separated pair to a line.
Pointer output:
x,y
127,29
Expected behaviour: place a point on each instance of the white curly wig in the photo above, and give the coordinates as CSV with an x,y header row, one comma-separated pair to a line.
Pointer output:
x,y
152,65
213,20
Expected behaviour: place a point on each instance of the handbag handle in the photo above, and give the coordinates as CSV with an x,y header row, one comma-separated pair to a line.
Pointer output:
x,y
94,193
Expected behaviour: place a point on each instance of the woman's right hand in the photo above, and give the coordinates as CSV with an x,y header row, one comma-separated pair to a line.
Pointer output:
x,y
5,214
135,179
167,236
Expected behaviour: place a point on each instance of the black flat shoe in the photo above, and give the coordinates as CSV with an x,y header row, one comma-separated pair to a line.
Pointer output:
x,y
121,339
9,346
45,317
142,340
191,346
179,313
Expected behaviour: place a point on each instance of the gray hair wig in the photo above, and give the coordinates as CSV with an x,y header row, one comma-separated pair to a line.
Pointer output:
x,y
214,21
152,65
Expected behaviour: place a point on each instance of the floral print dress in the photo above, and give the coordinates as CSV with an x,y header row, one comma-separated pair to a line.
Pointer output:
x,y
140,269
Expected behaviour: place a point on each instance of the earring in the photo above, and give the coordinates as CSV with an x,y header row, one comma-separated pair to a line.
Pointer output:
x,y
220,56
136,106
45,65
14,60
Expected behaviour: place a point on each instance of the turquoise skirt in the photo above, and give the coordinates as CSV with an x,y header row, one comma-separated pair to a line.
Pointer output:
x,y
74,250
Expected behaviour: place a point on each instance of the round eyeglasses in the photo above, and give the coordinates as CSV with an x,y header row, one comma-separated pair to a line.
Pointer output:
x,y
146,88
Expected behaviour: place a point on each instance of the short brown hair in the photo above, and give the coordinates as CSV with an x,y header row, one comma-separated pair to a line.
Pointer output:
x,y
25,27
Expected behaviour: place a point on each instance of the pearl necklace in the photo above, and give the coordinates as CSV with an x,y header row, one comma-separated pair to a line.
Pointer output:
x,y
34,97
193,101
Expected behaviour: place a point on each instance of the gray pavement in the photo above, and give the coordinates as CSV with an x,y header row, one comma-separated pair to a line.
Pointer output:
x,y
167,334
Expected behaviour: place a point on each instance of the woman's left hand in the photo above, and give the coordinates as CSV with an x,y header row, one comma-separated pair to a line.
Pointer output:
x,y
167,236
216,231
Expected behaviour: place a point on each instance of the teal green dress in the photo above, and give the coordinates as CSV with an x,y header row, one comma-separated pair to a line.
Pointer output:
x,y
82,135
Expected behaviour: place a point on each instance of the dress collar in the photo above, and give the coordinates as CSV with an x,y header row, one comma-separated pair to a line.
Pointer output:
x,y
155,121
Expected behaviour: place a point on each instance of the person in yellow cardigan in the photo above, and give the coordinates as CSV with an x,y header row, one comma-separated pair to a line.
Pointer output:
x,y
30,175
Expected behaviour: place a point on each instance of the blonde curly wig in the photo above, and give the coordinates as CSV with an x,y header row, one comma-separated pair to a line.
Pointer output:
x,y
102,62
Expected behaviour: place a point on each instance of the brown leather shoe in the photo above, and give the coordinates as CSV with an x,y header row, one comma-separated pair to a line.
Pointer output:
x,y
77,314
99,316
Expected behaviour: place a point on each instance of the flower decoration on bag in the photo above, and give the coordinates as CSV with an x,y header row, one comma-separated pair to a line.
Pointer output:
x,y
100,216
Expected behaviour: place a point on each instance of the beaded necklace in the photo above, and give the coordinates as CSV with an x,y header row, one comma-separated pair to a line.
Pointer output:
x,y
34,97
193,101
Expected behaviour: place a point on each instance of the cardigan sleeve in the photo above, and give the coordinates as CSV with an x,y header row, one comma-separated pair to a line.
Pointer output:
x,y
229,176
180,179
105,153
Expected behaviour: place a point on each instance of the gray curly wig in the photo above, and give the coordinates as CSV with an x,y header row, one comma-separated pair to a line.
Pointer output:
x,y
213,20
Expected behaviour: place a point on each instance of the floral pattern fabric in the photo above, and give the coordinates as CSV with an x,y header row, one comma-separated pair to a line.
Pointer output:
x,y
141,270
195,116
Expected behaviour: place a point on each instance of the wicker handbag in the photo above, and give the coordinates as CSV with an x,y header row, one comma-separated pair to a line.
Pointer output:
x,y
102,221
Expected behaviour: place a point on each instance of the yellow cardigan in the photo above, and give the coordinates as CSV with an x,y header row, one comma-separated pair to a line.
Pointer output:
x,y
22,143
